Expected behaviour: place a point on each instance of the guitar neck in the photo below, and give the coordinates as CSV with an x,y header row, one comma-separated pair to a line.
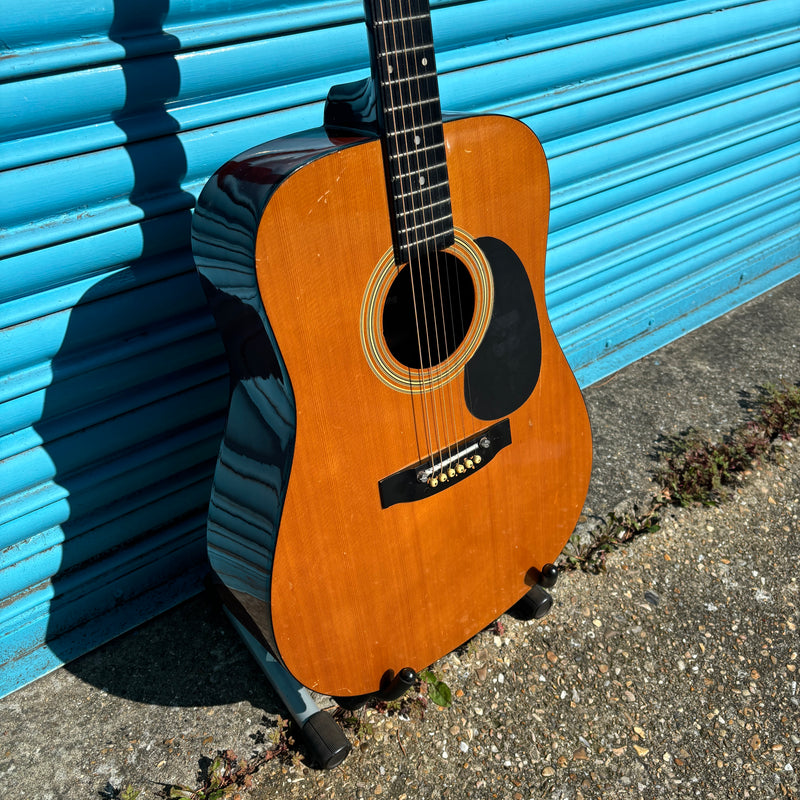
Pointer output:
x,y
410,123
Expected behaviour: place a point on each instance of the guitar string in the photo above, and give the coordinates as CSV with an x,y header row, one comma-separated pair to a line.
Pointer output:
x,y
421,191
428,389
425,394
448,282
405,170
441,263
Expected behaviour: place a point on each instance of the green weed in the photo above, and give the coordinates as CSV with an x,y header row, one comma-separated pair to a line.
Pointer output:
x,y
616,530
437,689
227,775
695,469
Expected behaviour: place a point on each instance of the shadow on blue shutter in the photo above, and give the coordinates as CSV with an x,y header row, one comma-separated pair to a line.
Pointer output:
x,y
132,418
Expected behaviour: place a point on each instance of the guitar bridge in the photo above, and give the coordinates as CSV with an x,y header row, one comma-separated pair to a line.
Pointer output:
x,y
448,467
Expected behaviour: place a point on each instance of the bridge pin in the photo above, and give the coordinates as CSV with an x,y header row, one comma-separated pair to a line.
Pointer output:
x,y
460,468
443,477
478,459
451,473
433,483
469,464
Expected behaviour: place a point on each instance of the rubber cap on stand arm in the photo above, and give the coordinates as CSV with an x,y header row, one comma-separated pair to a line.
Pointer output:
x,y
326,740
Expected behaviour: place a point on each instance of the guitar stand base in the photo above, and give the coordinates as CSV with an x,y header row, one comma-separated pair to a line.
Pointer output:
x,y
324,738
537,602
534,605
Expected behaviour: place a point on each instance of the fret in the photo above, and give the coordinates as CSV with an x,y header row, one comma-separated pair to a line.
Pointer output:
x,y
437,239
430,218
407,18
417,151
419,76
405,50
415,228
415,194
397,131
413,162
418,176
408,212
411,106
417,171
404,131
421,177
413,140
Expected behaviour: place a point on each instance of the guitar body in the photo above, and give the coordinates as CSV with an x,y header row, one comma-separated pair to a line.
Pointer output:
x,y
344,585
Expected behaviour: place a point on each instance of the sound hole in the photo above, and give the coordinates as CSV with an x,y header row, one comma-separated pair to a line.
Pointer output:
x,y
428,311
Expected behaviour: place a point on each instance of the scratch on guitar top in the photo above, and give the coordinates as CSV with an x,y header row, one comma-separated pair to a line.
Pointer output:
x,y
323,198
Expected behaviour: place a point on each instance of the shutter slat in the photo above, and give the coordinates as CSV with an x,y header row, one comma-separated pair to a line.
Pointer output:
x,y
672,131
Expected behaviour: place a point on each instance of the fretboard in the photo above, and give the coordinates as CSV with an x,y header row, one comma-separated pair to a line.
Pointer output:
x,y
410,120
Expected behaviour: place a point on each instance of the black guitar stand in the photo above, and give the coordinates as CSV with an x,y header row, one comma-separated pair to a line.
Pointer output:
x,y
324,738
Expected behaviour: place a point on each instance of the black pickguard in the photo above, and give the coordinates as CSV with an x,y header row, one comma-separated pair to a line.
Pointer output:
x,y
503,372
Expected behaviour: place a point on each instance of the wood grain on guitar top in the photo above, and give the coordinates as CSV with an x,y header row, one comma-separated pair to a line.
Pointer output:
x,y
357,590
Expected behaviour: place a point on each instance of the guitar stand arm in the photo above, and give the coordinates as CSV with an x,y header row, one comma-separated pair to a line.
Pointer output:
x,y
325,739
396,687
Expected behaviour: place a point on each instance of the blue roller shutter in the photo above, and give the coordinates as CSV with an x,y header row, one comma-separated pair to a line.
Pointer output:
x,y
672,132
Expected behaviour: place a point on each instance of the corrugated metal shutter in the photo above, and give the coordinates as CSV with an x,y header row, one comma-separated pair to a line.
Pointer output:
x,y
672,131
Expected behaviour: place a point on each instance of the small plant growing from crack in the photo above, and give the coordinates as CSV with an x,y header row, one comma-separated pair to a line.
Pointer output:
x,y
438,691
227,775
617,529
697,470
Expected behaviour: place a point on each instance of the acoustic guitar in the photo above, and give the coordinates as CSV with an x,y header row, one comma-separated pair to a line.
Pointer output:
x,y
406,447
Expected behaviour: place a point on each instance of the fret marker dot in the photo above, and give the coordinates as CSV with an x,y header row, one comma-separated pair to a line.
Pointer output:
x,y
391,69
424,62
421,180
417,140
